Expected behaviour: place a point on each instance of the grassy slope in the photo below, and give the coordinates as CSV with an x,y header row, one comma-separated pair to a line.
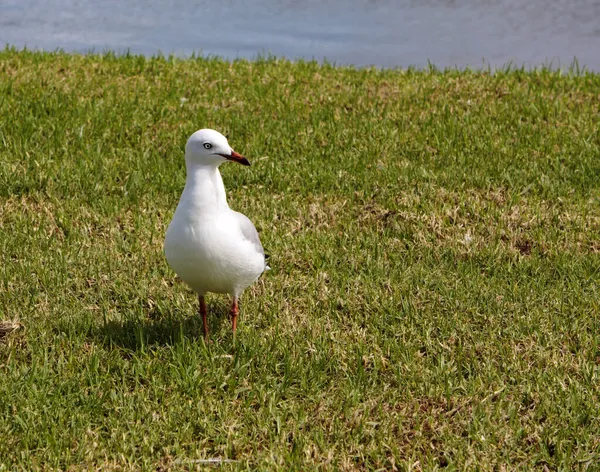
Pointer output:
x,y
435,243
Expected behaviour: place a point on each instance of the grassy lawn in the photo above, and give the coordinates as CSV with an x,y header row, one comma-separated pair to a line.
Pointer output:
x,y
434,296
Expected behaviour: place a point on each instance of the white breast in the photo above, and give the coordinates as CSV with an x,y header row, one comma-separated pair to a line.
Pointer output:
x,y
204,244
212,256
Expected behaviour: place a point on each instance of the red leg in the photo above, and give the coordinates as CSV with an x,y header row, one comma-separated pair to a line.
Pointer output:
x,y
202,310
235,310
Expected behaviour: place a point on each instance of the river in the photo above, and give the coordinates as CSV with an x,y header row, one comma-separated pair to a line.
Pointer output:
x,y
383,33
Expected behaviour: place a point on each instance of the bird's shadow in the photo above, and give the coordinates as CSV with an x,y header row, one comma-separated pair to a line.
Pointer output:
x,y
157,328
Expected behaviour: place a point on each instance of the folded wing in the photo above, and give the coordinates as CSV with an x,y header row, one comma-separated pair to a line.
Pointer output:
x,y
249,232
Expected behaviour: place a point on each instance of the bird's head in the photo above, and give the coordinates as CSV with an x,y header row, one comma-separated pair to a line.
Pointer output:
x,y
209,147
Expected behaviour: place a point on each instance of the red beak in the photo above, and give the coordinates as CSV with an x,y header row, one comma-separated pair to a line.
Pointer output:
x,y
236,157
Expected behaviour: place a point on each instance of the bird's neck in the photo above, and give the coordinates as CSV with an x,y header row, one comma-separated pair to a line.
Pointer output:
x,y
204,190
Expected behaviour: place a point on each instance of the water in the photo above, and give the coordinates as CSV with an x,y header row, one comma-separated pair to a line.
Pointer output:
x,y
383,33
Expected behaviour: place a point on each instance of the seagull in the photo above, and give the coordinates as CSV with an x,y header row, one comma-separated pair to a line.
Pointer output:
x,y
211,247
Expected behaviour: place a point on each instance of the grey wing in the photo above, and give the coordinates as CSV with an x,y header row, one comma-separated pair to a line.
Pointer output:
x,y
249,231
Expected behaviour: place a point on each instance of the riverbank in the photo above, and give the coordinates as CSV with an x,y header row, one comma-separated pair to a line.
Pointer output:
x,y
433,298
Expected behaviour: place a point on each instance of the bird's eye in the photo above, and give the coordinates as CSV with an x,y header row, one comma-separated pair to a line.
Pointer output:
x,y
207,145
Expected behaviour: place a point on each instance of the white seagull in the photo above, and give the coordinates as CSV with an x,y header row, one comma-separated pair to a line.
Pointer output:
x,y
211,247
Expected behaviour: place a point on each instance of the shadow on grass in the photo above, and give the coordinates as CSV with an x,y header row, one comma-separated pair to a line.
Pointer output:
x,y
158,329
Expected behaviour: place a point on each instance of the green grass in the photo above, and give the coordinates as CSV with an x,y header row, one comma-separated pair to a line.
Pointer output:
x,y
435,245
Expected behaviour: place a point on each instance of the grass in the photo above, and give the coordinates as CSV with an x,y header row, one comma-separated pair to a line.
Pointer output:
x,y
434,239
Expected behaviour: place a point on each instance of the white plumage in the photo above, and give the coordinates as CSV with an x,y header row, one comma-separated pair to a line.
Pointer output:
x,y
211,247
